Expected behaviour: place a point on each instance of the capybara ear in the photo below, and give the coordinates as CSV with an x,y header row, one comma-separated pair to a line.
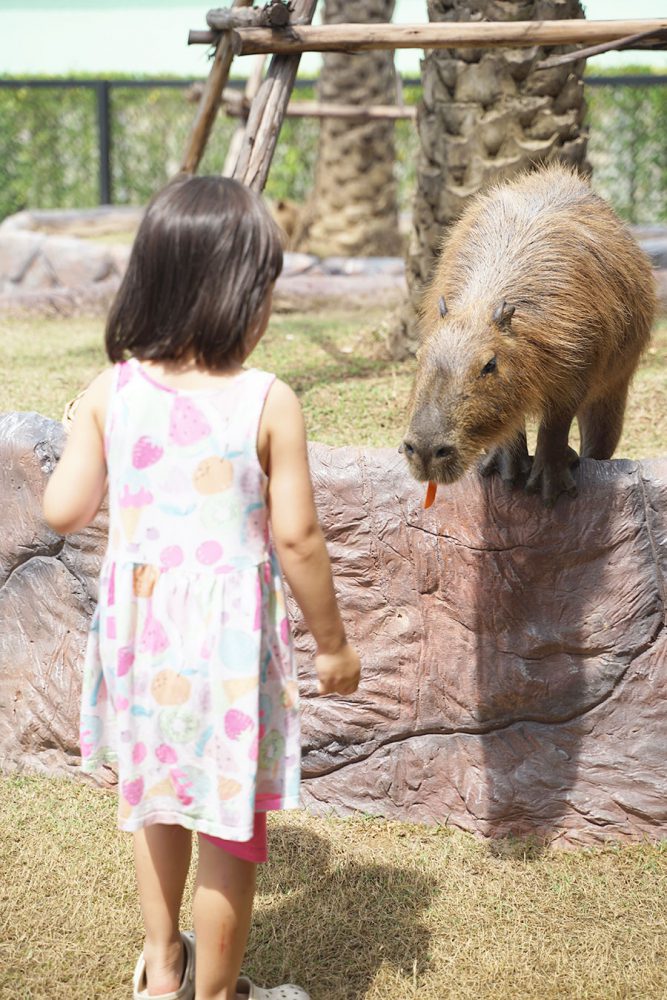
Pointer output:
x,y
442,306
502,315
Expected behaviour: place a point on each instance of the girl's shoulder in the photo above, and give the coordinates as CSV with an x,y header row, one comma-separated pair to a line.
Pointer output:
x,y
283,418
281,401
282,426
94,399
101,384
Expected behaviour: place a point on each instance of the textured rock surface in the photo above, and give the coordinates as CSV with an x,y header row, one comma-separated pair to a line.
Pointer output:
x,y
45,267
38,255
515,660
47,594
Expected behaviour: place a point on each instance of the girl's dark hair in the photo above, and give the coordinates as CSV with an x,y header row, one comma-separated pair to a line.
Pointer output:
x,y
203,260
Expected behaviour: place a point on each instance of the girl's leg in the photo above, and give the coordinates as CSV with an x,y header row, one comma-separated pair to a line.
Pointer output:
x,y
222,911
162,859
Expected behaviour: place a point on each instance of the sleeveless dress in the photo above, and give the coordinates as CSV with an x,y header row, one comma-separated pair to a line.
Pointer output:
x,y
189,679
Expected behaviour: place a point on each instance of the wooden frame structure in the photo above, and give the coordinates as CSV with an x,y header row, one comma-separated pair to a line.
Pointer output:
x,y
285,31
267,109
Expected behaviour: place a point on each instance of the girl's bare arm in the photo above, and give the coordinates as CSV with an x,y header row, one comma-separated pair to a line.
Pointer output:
x,y
299,540
77,486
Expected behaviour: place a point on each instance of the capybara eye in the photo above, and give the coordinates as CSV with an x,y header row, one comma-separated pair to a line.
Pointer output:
x,y
408,449
489,367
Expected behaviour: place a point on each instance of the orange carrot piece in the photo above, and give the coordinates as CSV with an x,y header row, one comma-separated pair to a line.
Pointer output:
x,y
431,490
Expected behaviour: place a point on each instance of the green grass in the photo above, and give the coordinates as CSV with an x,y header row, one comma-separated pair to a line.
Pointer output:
x,y
336,362
357,909
109,239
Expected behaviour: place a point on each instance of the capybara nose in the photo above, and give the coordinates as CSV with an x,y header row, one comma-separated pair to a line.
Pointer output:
x,y
440,451
444,450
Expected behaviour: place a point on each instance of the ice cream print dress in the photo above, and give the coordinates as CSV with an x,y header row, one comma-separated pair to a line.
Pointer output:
x,y
189,679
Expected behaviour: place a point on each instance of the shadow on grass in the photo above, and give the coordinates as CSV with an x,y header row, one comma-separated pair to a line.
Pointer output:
x,y
330,925
296,368
511,849
349,368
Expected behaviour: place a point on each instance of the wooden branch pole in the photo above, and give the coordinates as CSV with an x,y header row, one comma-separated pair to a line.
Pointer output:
x,y
236,106
437,35
198,37
268,109
210,101
243,102
632,41
376,112
275,15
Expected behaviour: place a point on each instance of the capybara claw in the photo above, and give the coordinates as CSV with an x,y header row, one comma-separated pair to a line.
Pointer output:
x,y
487,465
551,482
512,462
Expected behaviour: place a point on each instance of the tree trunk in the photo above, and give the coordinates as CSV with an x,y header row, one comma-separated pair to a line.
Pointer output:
x,y
485,115
353,210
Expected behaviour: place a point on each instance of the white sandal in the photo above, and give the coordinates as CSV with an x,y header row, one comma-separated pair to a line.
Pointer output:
x,y
186,991
246,988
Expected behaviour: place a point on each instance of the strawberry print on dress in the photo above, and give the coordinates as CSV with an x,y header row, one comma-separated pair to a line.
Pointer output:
x,y
189,680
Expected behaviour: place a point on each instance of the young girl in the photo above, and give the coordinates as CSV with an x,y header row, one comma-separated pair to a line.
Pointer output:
x,y
189,680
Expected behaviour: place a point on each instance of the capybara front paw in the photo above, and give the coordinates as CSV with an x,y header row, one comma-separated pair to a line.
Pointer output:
x,y
512,466
551,479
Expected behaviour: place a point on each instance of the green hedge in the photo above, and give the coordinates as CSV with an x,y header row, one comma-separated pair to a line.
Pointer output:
x,y
628,147
49,153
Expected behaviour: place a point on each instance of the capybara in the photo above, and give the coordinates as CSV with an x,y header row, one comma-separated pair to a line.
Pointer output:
x,y
540,305
288,214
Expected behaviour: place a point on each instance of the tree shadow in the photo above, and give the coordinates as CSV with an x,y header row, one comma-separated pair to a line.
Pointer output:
x,y
338,364
329,924
495,633
562,609
348,368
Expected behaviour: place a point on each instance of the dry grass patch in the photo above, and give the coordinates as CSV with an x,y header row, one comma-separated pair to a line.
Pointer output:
x,y
120,238
356,909
45,362
334,362
351,392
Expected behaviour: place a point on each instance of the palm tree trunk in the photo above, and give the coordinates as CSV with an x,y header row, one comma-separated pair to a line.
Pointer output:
x,y
354,206
486,114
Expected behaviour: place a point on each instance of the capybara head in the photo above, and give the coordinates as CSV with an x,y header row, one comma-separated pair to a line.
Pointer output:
x,y
470,391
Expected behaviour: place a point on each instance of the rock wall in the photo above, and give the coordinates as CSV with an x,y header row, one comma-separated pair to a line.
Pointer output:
x,y
515,660
43,261
45,266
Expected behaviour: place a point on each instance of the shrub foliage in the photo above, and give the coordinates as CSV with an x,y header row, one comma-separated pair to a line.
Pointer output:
x,y
49,153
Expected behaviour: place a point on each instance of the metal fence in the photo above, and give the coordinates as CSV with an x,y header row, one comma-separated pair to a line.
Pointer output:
x,y
628,144
70,143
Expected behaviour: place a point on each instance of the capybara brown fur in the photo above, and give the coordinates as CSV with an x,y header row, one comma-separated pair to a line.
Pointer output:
x,y
540,305
288,214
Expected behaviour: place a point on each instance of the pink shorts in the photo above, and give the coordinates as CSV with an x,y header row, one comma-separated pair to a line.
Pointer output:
x,y
255,849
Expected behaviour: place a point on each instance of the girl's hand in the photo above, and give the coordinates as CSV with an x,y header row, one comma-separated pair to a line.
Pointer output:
x,y
338,672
